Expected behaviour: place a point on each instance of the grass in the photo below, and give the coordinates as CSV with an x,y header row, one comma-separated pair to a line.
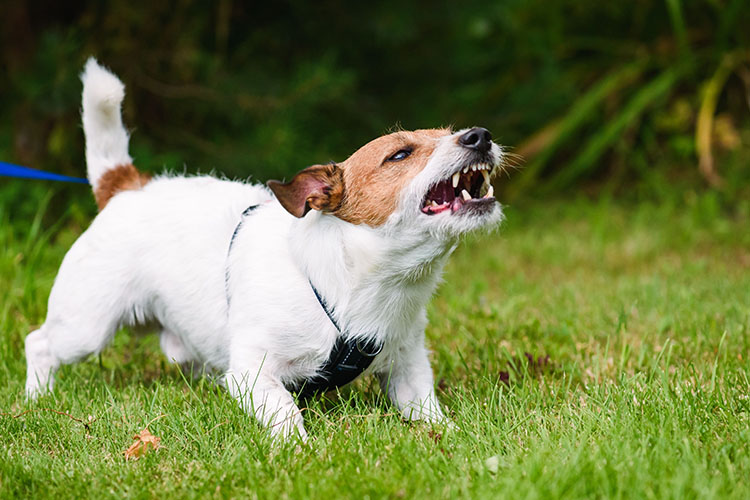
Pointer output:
x,y
635,318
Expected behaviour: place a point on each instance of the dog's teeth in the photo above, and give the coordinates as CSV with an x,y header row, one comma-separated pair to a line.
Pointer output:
x,y
466,169
433,203
486,176
456,177
490,192
465,195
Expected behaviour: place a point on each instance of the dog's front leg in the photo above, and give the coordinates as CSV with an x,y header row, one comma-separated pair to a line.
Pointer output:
x,y
261,393
409,384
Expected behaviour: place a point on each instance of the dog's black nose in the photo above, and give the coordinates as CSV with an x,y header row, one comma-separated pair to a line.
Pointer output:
x,y
477,138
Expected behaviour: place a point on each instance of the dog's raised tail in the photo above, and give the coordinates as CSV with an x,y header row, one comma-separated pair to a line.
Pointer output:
x,y
109,166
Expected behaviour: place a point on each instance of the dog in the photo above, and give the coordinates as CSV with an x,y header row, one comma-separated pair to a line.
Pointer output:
x,y
267,284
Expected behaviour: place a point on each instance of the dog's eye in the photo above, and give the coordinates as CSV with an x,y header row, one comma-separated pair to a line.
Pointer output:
x,y
402,154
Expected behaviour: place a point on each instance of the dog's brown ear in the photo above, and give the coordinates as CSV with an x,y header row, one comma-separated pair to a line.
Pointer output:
x,y
320,187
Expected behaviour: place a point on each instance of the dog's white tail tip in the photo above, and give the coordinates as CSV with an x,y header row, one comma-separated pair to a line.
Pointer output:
x,y
106,137
102,90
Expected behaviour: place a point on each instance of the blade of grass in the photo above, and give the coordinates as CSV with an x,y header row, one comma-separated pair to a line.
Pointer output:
x,y
704,125
716,362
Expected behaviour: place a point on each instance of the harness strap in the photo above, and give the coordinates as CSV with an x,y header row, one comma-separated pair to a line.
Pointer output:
x,y
245,213
348,359
349,356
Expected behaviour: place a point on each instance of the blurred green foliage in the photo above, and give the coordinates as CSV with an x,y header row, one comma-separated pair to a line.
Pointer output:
x,y
614,97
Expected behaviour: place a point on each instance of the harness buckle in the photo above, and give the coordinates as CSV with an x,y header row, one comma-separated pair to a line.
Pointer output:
x,y
363,352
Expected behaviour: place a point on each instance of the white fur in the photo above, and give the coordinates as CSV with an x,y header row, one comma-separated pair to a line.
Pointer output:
x,y
161,254
106,138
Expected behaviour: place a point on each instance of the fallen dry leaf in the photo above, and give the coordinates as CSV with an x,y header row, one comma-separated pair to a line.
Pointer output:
x,y
144,441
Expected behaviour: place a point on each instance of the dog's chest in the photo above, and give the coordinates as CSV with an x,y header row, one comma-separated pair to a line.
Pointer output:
x,y
273,305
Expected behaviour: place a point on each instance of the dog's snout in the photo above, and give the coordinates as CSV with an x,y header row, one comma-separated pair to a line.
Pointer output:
x,y
477,138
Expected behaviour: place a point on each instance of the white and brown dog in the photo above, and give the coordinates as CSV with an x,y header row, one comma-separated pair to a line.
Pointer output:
x,y
245,292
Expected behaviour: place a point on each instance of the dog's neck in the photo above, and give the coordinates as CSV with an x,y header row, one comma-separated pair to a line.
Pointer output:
x,y
376,280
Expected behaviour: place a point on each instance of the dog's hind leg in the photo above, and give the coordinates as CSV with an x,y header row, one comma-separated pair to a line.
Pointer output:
x,y
174,349
82,318
41,365
61,342
93,295
176,352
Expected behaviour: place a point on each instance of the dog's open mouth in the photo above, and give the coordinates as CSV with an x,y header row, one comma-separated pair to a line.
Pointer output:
x,y
468,187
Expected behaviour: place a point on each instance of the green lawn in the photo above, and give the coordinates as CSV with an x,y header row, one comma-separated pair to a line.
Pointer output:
x,y
636,319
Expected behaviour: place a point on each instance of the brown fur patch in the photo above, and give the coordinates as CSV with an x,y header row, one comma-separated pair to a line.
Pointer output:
x,y
120,178
372,184
320,187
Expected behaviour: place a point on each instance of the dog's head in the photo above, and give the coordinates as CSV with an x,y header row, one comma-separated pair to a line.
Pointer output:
x,y
435,179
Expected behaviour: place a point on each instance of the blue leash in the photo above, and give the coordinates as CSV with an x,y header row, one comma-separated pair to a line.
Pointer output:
x,y
10,170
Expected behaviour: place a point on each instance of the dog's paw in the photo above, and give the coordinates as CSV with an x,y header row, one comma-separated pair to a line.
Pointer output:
x,y
289,431
33,392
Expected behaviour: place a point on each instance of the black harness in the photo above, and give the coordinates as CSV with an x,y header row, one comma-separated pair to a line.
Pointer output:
x,y
349,356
